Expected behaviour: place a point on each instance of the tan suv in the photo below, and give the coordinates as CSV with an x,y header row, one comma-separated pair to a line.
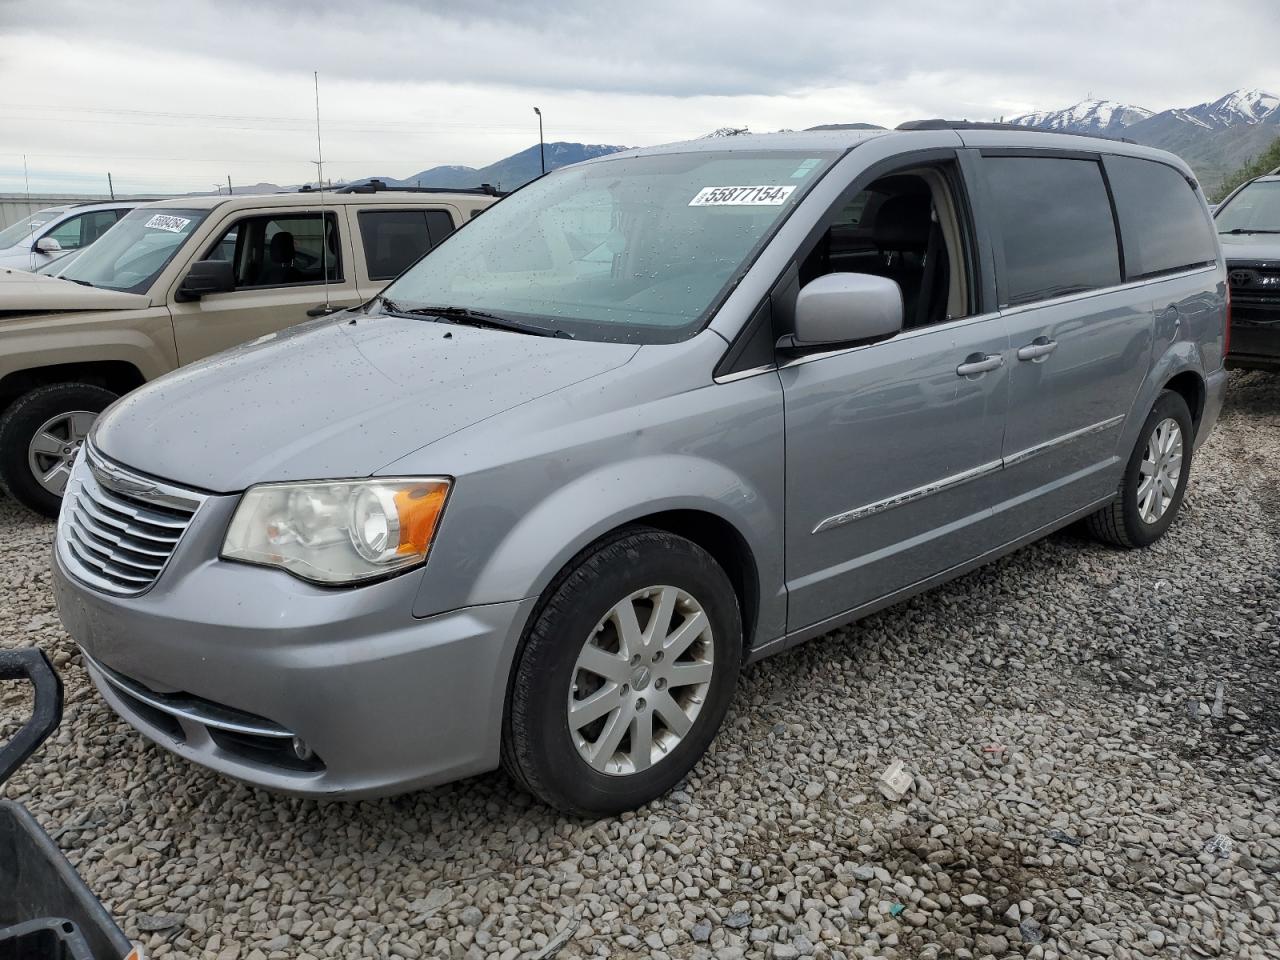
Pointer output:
x,y
181,279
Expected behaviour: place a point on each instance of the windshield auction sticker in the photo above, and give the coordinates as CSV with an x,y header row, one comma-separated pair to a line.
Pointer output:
x,y
762,196
172,224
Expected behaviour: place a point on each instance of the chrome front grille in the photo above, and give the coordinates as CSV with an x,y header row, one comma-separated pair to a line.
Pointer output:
x,y
117,529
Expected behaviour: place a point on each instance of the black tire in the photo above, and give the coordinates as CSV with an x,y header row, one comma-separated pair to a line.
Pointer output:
x,y
19,425
1120,523
537,746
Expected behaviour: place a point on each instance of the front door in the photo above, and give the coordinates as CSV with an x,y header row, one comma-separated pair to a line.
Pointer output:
x,y
284,265
1080,340
893,449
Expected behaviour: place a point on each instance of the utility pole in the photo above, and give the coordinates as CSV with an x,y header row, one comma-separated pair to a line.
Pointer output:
x,y
542,150
228,184
111,187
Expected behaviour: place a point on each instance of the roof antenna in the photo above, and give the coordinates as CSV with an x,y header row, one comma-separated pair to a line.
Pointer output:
x,y
324,222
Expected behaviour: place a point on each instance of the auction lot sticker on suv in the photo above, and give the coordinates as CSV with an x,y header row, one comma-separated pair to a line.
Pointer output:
x,y
761,196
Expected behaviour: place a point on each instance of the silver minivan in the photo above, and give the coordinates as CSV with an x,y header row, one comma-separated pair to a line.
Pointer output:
x,y
649,419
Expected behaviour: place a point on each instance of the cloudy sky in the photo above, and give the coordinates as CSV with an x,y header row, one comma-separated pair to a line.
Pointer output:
x,y
177,96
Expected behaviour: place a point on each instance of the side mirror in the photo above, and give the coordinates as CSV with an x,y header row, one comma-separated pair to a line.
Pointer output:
x,y
207,276
48,245
847,308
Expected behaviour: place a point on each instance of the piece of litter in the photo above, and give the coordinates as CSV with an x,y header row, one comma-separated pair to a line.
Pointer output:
x,y
1030,931
896,910
1216,711
895,781
1063,837
1219,845
994,748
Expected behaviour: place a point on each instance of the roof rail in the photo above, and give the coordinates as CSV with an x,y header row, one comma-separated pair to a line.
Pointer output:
x,y
940,124
1274,173
381,186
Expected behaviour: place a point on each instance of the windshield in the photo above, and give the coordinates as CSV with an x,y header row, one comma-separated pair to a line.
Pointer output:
x,y
1255,208
131,254
638,249
16,233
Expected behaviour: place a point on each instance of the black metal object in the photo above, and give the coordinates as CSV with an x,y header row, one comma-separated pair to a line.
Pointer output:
x,y
31,665
381,186
46,911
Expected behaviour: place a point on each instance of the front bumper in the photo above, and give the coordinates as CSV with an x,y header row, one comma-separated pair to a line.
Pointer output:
x,y
386,702
1255,317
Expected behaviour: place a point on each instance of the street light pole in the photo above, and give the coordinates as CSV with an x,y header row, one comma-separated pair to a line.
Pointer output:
x,y
542,150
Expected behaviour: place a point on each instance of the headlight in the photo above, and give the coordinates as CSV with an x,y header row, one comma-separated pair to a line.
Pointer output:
x,y
337,531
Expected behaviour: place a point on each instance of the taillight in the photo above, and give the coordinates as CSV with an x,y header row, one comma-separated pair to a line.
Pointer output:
x,y
1226,330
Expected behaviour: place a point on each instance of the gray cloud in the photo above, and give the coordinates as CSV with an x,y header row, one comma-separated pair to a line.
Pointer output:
x,y
1140,50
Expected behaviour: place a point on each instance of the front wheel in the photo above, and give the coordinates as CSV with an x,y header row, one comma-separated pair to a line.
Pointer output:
x,y
1155,478
625,674
40,435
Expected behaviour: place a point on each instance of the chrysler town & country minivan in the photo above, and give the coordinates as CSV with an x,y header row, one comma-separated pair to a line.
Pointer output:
x,y
651,418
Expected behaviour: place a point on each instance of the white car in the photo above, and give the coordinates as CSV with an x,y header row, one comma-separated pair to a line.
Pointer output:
x,y
50,234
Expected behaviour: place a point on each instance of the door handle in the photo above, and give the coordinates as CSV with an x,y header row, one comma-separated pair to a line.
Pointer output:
x,y
977,364
1038,349
323,310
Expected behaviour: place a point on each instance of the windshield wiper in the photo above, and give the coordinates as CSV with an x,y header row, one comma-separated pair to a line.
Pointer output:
x,y
83,283
1240,230
475,318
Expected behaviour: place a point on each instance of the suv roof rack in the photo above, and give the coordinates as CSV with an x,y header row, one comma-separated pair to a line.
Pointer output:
x,y
1274,173
940,124
381,186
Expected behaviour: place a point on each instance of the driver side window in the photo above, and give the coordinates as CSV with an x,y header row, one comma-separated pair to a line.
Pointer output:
x,y
281,250
906,226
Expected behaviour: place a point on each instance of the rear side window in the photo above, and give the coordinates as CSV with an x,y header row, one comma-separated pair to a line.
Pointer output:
x,y
1161,221
1055,226
394,239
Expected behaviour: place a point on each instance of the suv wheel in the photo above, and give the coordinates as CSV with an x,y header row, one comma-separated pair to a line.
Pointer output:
x,y
1155,478
625,674
40,435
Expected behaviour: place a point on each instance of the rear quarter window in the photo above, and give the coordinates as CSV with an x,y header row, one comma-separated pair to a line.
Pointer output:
x,y
1054,226
1163,226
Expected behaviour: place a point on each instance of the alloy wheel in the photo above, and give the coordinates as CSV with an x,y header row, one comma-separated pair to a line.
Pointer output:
x,y
640,680
1160,470
55,446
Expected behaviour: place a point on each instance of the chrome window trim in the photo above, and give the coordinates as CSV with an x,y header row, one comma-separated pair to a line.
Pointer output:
x,y
1103,291
1006,312
192,714
897,338
749,372
964,476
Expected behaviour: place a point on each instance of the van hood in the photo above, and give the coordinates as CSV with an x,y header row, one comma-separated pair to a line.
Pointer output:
x,y
339,397
1250,246
23,293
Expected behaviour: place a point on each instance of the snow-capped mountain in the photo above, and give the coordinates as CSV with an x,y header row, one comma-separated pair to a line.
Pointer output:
x,y
1214,137
1087,116
1238,106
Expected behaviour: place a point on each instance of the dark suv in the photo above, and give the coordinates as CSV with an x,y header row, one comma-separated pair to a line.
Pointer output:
x,y
1249,226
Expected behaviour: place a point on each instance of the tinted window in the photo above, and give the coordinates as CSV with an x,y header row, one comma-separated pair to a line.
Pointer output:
x,y
281,250
393,239
1161,220
1055,224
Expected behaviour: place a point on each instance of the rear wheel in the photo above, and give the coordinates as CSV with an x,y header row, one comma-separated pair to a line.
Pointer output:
x,y
1155,478
40,435
624,676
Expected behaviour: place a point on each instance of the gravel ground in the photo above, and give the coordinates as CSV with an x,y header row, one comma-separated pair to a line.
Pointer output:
x,y
1080,722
